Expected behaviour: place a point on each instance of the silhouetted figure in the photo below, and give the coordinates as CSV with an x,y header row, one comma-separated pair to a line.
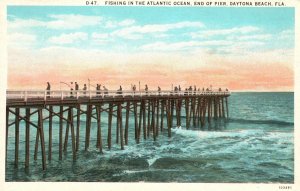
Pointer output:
x,y
76,88
71,90
186,91
220,89
119,91
105,90
133,89
146,89
159,90
203,89
84,89
207,89
195,89
190,90
98,90
48,89
175,90
226,89
179,88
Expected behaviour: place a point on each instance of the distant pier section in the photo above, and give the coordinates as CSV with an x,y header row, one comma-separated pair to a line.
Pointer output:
x,y
152,112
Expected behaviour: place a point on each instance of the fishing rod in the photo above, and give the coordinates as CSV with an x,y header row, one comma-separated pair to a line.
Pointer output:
x,y
90,83
66,84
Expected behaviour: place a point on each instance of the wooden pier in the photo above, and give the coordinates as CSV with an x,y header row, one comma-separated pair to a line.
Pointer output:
x,y
149,110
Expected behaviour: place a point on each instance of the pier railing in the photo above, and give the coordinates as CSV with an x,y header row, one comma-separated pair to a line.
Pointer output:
x,y
76,94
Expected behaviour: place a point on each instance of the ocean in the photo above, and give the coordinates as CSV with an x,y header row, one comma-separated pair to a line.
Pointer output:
x,y
255,145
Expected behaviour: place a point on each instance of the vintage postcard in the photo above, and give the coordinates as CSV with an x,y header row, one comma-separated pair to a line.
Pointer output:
x,y
129,94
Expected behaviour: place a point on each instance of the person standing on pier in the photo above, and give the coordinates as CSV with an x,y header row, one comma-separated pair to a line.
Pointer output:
x,y
105,90
76,88
119,90
175,90
158,89
146,89
84,89
134,89
179,88
190,90
71,90
48,89
98,88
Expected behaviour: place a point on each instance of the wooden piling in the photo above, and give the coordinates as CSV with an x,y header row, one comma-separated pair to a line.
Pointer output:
x,y
118,125
72,133
157,118
121,126
88,126
171,113
27,138
139,124
135,120
17,136
223,109
127,122
148,119
162,115
209,110
50,133
37,137
78,127
110,113
194,111
227,112
187,105
60,131
99,133
153,120
67,129
168,106
219,107
144,120
41,132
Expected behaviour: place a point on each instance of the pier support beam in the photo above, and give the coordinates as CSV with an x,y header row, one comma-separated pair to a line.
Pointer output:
x,y
27,139
17,136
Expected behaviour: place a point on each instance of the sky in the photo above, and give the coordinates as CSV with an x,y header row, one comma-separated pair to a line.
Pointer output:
x,y
242,49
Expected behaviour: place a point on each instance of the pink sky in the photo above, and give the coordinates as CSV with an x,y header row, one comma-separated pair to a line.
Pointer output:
x,y
270,76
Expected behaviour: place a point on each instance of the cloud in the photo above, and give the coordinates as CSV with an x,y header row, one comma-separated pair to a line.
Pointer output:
x,y
123,23
58,22
68,38
72,21
135,32
286,35
262,37
101,38
163,46
222,32
21,39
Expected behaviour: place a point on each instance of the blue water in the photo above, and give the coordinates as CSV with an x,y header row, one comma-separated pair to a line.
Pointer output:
x,y
255,145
